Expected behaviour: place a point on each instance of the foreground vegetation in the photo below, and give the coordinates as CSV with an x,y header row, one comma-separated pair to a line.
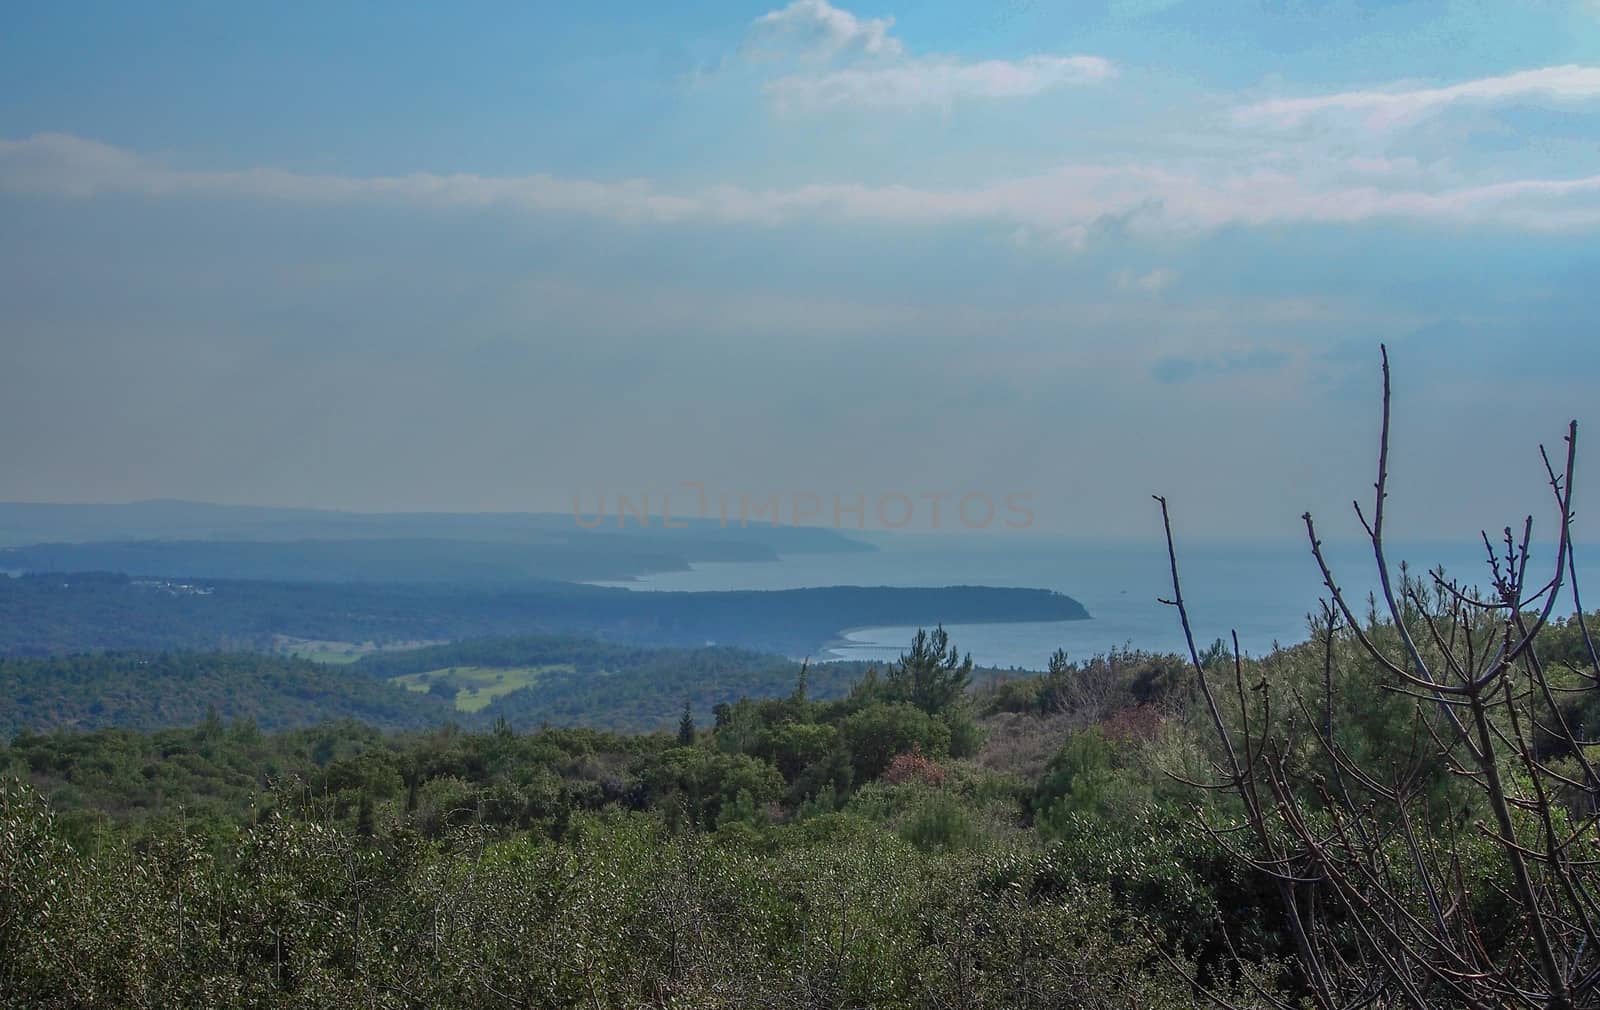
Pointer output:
x,y
915,843
920,842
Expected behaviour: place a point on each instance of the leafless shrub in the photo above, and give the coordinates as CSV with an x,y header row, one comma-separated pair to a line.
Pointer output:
x,y
1391,901
1021,743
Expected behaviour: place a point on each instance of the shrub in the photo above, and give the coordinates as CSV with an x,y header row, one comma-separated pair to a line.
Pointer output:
x,y
940,824
877,733
913,766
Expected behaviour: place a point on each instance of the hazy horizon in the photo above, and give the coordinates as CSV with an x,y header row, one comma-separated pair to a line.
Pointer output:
x,y
413,261
1337,527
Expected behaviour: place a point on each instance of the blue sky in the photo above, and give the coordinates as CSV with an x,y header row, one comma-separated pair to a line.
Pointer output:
x,y
401,256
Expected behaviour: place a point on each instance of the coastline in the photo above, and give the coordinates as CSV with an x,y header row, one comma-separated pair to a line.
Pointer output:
x,y
841,639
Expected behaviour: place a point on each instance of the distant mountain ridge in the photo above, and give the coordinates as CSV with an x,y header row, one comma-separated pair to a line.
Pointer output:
x,y
374,560
156,690
25,523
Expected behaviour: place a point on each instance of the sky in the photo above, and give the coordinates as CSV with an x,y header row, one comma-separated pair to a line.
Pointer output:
x,y
505,256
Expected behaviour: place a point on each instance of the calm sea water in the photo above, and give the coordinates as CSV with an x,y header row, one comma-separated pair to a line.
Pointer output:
x,y
1264,591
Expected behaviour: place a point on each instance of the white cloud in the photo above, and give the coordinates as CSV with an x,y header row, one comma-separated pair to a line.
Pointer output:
x,y
863,64
1071,238
1155,280
1399,104
1070,204
817,29
1380,166
938,81
1143,8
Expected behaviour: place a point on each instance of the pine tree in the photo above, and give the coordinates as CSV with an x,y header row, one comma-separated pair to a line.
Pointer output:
x,y
932,675
1053,686
366,818
686,726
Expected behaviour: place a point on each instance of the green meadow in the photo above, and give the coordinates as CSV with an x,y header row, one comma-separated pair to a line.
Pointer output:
x,y
477,686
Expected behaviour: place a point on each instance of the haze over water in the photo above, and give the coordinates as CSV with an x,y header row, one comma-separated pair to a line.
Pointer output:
x,y
1264,591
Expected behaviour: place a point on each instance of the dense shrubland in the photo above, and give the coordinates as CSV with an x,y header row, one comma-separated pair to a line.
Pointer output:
x,y
919,842
870,850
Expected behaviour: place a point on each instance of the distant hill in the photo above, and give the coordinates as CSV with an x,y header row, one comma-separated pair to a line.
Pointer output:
x,y
146,691
373,560
24,523
56,613
581,682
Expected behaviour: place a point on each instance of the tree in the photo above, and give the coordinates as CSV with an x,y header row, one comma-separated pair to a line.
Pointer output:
x,y
366,817
686,726
1053,685
932,675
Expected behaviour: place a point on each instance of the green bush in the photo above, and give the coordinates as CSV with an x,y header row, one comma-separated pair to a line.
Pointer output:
x,y
940,824
878,732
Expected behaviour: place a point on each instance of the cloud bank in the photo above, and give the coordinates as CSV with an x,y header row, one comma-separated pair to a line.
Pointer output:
x,y
1396,104
1071,200
936,81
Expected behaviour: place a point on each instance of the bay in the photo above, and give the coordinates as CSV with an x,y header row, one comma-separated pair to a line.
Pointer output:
x,y
1263,590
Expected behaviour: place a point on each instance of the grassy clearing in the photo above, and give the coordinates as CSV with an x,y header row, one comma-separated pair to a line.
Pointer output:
x,y
477,685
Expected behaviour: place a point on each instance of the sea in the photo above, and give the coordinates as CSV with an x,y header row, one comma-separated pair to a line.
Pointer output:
x,y
1263,591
